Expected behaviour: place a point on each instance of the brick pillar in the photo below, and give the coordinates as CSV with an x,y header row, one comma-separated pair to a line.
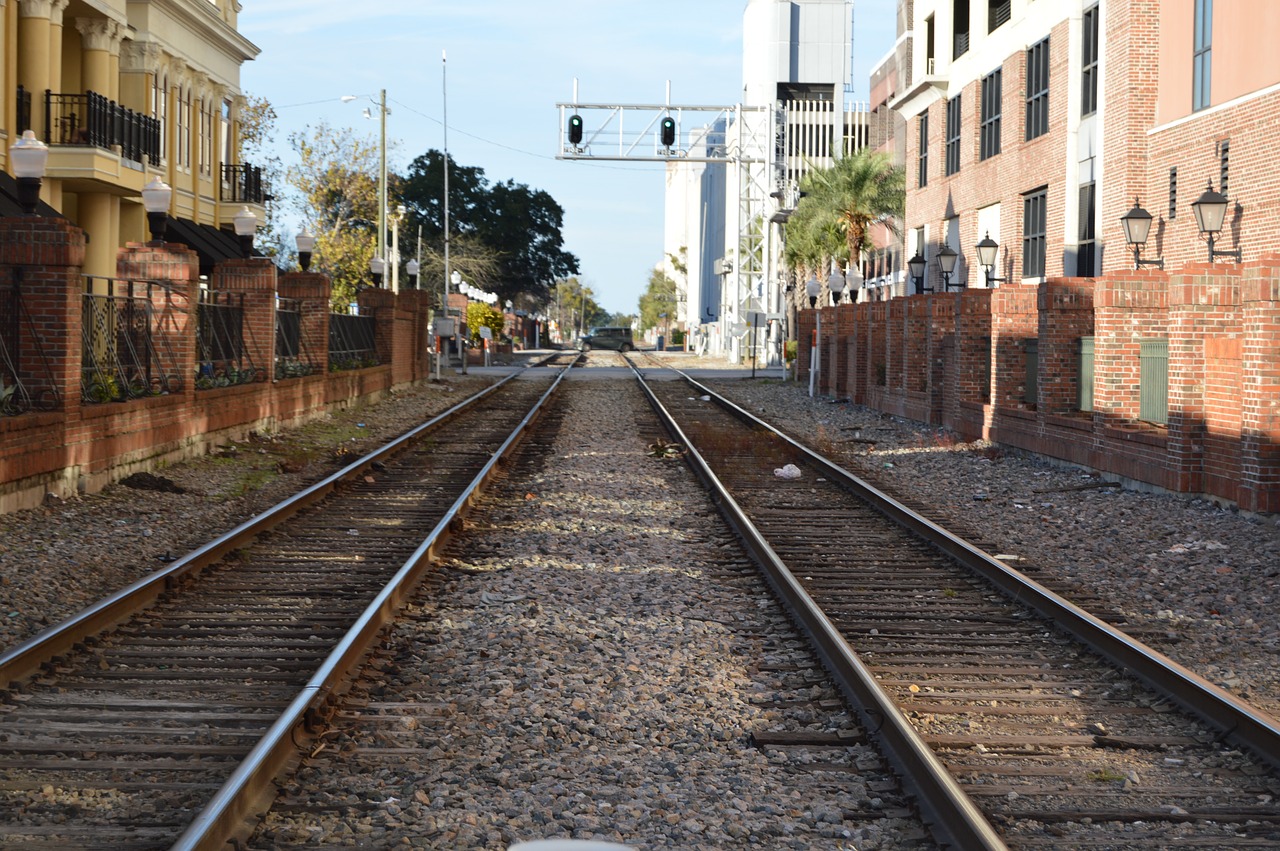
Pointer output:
x,y
177,269
943,400
1129,304
805,320
827,366
381,304
255,280
311,291
1205,378
877,349
895,345
1260,403
858,341
40,263
844,335
417,305
915,344
1065,308
1014,324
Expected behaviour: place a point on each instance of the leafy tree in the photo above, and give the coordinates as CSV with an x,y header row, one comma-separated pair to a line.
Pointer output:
x,y
659,298
257,136
575,308
336,181
481,315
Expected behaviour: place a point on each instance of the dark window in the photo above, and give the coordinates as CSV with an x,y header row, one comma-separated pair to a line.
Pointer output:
x,y
923,175
1173,192
1038,90
960,15
953,135
1087,246
1223,155
989,131
929,69
997,13
1202,56
1034,207
1089,69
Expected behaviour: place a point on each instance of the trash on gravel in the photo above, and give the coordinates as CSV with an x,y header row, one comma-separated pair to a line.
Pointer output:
x,y
791,471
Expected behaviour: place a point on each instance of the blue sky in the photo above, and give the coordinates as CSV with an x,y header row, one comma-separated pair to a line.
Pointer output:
x,y
509,63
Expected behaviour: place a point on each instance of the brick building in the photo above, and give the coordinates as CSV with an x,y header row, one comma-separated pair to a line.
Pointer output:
x,y
124,92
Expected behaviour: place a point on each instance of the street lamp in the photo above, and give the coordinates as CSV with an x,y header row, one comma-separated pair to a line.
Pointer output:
x,y
155,200
412,268
1210,209
383,112
813,289
1137,225
376,267
835,283
306,243
987,249
947,265
29,156
246,224
917,266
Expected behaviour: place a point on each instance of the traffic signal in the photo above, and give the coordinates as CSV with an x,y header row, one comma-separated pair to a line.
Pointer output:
x,y
668,131
575,129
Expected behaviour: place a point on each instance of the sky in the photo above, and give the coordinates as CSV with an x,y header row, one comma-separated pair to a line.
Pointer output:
x,y
506,65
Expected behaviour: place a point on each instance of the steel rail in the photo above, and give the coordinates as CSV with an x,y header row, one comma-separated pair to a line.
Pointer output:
x,y
950,814
231,806
1236,721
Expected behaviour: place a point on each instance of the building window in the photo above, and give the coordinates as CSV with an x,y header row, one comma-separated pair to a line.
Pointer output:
x,y
1224,150
1038,90
922,177
953,135
1034,208
226,132
930,63
960,15
997,13
1202,57
989,130
1089,65
160,108
1087,246
1173,192
183,155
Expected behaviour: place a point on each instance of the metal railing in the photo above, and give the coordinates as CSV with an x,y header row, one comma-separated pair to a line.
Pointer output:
x,y
92,120
1085,370
242,183
221,356
292,360
123,356
23,386
351,341
1153,381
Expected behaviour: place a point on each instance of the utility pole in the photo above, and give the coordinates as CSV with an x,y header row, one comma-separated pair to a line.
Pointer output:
x,y
382,176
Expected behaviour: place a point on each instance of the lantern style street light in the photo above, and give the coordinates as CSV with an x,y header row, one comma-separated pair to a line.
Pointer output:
x,y
246,224
306,243
835,283
1137,226
916,266
28,157
156,196
376,267
1211,209
813,289
987,249
947,265
412,268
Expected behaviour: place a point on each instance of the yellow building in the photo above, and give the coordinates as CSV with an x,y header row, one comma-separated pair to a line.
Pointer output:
x,y
124,91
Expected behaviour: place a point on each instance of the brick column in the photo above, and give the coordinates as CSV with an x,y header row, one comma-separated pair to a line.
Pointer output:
x,y
915,344
40,263
827,366
805,321
255,280
1014,325
1260,402
177,269
844,335
417,305
943,402
895,345
311,291
858,342
1205,378
1128,305
381,304
1065,314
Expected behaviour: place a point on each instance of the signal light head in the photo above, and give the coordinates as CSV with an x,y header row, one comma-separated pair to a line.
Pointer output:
x,y
668,131
575,129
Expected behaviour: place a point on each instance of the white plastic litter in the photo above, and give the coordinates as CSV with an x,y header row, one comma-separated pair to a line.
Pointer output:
x,y
791,471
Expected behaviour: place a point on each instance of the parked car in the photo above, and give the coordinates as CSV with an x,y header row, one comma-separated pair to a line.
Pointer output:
x,y
618,339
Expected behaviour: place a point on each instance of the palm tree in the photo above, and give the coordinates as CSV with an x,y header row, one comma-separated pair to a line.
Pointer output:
x,y
839,205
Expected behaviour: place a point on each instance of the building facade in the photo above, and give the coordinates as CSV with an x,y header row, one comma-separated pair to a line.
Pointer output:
x,y
1040,123
125,91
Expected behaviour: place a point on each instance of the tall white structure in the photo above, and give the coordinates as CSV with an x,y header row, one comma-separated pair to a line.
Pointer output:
x,y
797,58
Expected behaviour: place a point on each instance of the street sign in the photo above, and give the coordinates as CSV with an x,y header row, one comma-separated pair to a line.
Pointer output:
x,y
444,327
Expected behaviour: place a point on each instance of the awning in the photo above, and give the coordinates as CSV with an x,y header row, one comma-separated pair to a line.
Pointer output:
x,y
210,243
9,205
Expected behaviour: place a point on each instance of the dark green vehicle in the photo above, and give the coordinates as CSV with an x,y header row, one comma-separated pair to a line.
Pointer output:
x,y
618,339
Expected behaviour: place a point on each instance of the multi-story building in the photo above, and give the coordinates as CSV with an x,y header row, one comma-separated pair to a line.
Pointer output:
x,y
124,91
1040,123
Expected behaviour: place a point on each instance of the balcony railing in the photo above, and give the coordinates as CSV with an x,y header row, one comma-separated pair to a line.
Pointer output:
x,y
92,120
242,184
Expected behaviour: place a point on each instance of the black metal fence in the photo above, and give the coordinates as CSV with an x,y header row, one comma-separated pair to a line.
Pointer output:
x,y
351,341
26,377
242,183
123,355
93,120
222,359
292,359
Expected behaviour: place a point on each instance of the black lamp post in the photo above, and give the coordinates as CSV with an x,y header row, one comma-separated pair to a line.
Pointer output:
x,y
246,226
306,243
947,266
155,199
917,265
1210,209
987,249
1137,226
28,157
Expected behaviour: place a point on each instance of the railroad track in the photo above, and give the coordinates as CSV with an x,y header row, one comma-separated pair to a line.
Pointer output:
x,y
159,717
1017,718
